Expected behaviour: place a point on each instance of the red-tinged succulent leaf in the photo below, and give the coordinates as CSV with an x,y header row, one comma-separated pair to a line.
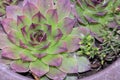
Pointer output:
x,y
57,48
62,48
38,17
68,25
13,12
8,24
52,16
20,66
5,61
21,20
69,64
90,20
63,6
40,55
33,26
23,30
42,5
3,40
55,74
12,37
83,64
58,35
23,45
39,70
10,53
30,9
52,60
73,44
27,56
80,32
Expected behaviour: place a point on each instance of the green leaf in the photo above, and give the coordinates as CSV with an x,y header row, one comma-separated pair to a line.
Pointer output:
x,y
20,66
39,70
69,64
56,74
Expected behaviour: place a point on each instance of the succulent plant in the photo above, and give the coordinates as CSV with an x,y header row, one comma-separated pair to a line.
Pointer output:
x,y
4,3
40,38
96,14
88,47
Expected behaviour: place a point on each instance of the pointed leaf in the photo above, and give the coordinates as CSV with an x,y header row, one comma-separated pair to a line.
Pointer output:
x,y
29,9
69,64
8,24
52,60
20,66
39,70
56,74
68,25
42,5
58,35
38,17
64,8
52,16
13,12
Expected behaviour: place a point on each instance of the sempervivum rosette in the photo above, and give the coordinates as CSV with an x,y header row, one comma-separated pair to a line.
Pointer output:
x,y
96,14
39,37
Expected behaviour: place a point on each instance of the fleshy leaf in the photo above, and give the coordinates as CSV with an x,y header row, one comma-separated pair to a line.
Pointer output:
x,y
83,64
8,24
69,64
3,40
38,17
52,16
52,60
42,5
63,6
29,9
27,56
56,74
68,25
39,70
80,32
11,53
20,66
13,12
73,44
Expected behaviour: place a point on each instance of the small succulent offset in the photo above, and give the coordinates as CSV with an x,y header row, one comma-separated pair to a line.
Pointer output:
x,y
39,37
95,14
88,47
4,3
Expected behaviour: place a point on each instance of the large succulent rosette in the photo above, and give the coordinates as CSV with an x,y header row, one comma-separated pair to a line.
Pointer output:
x,y
97,14
39,37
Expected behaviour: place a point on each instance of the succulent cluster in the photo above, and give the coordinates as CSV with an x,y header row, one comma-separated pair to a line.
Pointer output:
x,y
40,37
4,3
95,14
51,38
